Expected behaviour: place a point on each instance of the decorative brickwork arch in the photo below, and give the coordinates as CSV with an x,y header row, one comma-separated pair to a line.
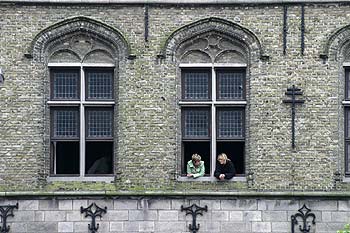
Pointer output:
x,y
245,41
337,45
95,34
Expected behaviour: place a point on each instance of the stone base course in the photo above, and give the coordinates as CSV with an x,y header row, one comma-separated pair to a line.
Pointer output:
x,y
156,214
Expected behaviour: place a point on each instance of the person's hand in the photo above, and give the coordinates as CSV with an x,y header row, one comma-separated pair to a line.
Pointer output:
x,y
189,175
222,176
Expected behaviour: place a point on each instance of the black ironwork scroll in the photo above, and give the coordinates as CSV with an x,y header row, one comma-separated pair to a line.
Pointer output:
x,y
293,92
6,211
304,214
93,211
194,210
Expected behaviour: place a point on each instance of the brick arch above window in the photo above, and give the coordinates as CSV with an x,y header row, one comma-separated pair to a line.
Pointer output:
x,y
337,45
80,35
204,32
213,47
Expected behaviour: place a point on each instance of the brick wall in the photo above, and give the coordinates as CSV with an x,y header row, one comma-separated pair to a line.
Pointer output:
x,y
148,122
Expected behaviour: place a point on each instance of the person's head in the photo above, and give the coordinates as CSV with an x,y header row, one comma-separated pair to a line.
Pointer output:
x,y
222,158
196,159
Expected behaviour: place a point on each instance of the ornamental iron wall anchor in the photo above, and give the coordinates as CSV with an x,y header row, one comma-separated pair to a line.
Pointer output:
x,y
194,210
293,92
304,214
6,211
93,211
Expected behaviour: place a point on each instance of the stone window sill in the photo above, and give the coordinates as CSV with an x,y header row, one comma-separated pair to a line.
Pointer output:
x,y
211,179
107,179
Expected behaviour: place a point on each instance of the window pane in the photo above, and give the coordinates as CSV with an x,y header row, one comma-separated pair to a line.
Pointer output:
x,y
67,157
347,84
235,152
65,85
201,148
230,85
196,123
99,123
347,122
98,158
347,157
66,123
99,85
196,85
230,123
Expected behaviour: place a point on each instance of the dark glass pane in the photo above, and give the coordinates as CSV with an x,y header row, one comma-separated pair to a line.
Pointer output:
x,y
196,85
235,152
67,157
65,85
66,123
230,85
99,123
99,158
99,85
347,122
230,123
201,148
196,122
347,83
347,158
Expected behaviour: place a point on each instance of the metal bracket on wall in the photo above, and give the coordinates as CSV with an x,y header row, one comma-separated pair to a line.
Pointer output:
x,y
146,22
304,214
6,211
285,28
93,211
293,92
194,210
302,29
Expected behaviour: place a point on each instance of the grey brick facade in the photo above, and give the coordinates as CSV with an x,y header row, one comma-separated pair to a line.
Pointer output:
x,y
147,44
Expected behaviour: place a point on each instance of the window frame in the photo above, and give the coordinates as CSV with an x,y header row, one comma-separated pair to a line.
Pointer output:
x,y
82,104
213,104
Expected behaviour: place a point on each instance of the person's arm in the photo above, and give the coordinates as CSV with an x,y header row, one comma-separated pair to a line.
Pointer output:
x,y
188,169
201,171
217,171
231,171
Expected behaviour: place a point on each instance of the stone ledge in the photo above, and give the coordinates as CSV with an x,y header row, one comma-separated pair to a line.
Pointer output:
x,y
175,1
114,194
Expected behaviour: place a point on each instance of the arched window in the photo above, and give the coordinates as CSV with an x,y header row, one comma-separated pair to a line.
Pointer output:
x,y
336,55
82,56
213,57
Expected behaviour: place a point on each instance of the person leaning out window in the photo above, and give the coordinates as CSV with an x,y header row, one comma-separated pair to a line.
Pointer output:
x,y
195,167
225,169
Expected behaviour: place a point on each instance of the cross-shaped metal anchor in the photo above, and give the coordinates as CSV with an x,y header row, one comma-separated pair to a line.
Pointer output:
x,y
194,210
293,92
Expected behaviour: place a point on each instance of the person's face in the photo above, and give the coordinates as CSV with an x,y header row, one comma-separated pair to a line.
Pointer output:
x,y
221,160
196,163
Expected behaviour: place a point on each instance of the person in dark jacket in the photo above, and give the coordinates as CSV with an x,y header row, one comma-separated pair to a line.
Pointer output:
x,y
225,169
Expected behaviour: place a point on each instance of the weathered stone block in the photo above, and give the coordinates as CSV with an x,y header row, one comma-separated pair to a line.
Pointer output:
x,y
65,227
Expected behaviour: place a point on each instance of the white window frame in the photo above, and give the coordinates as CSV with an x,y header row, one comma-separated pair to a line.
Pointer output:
x,y
212,104
82,103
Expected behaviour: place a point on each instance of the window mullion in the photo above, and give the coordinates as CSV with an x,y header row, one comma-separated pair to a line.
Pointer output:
x,y
82,122
213,121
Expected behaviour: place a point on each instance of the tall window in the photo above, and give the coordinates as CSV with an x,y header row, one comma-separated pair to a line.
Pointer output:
x,y
81,115
213,114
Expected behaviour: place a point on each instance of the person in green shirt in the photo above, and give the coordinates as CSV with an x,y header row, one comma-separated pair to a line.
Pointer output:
x,y
195,167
